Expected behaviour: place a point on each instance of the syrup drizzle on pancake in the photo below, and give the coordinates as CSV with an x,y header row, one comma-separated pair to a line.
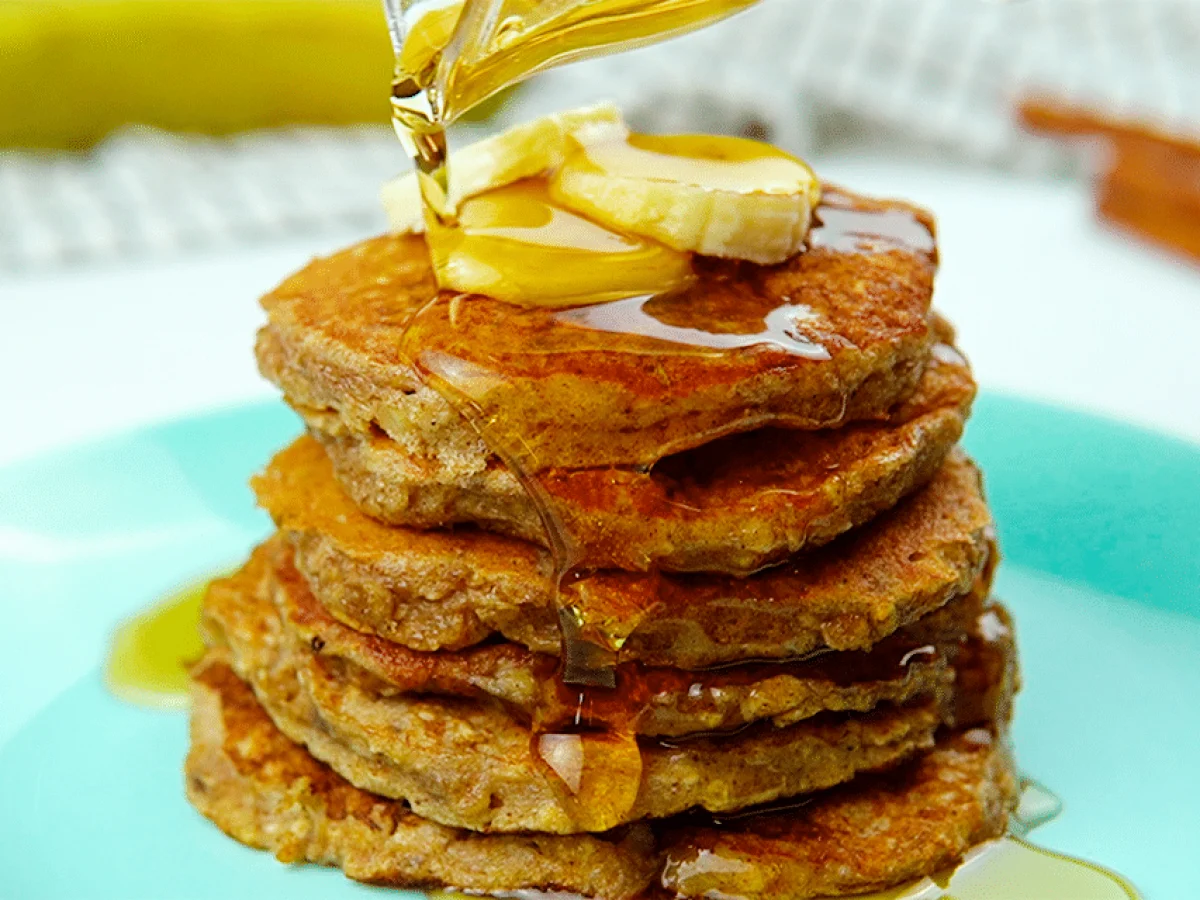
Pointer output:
x,y
840,227
601,766
652,317
439,343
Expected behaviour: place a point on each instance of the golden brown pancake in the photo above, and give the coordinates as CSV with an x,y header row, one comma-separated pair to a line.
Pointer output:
x,y
651,701
878,831
874,833
471,764
734,505
583,395
450,589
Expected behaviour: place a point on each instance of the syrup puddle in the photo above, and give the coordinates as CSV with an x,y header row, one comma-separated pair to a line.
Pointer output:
x,y
1012,869
148,658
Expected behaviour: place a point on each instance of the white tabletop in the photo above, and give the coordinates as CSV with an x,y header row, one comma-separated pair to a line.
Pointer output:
x,y
1048,304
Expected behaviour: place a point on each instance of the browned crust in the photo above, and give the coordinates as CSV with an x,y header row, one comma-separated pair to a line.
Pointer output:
x,y
470,764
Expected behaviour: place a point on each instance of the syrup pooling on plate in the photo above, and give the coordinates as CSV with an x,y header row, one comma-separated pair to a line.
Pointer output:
x,y
148,658
1008,868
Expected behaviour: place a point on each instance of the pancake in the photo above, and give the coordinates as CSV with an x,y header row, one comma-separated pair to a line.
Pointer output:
x,y
471,764
654,702
451,589
734,505
838,333
268,792
876,832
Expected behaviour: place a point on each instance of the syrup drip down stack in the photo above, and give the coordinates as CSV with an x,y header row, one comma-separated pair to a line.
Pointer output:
x,y
679,594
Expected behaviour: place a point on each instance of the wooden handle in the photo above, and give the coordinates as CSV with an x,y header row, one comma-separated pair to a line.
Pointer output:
x,y
1151,186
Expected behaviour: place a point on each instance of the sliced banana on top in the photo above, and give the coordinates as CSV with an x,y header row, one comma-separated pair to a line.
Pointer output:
x,y
712,195
515,244
532,148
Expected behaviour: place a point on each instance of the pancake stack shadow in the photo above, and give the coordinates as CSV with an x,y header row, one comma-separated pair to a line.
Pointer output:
x,y
780,543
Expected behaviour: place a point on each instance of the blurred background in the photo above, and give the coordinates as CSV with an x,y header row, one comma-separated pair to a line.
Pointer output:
x,y
164,162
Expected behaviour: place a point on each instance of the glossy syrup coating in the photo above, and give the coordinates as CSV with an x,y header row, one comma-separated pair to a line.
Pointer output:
x,y
449,589
835,334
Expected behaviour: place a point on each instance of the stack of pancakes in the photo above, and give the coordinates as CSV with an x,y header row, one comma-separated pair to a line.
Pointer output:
x,y
778,535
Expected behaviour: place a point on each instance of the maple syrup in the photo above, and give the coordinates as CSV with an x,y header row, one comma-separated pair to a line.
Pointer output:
x,y
639,689
840,226
443,70
147,663
654,317
530,250
450,57
731,317
149,655
463,53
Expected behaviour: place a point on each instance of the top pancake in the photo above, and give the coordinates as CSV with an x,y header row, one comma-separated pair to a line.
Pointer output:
x,y
838,333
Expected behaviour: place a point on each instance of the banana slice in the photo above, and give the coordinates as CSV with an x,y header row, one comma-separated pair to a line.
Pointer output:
x,y
532,148
514,244
716,196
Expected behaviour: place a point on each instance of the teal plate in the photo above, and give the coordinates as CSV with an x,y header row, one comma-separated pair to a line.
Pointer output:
x,y
1101,529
